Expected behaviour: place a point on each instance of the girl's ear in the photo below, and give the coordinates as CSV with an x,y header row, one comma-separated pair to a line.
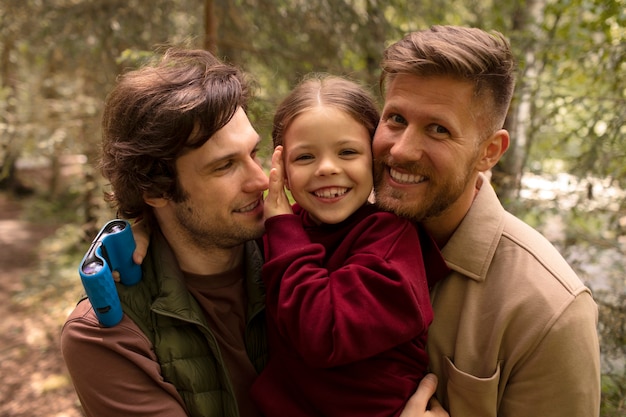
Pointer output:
x,y
493,149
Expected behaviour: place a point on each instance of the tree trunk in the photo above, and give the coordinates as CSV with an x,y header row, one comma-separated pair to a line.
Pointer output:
x,y
9,152
210,27
374,40
507,175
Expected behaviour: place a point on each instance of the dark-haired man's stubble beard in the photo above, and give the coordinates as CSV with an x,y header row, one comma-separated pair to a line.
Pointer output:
x,y
210,233
440,195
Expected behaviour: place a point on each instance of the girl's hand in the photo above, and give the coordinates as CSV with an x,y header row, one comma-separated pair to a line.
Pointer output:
x,y
276,201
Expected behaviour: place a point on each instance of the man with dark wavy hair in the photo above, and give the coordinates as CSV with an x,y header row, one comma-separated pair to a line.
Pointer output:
x,y
180,152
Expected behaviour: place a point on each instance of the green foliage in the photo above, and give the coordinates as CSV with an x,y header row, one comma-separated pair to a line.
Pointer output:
x,y
133,58
581,96
61,209
613,402
613,346
55,285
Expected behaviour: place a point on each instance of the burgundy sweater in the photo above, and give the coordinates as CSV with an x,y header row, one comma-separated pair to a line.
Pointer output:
x,y
348,310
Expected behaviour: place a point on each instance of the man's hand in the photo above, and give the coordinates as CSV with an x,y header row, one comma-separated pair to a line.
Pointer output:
x,y
276,201
141,234
418,404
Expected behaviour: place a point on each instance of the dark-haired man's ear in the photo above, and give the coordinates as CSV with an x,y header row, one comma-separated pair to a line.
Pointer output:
x,y
155,202
493,149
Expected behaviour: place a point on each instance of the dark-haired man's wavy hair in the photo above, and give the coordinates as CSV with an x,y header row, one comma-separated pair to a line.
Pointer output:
x,y
156,114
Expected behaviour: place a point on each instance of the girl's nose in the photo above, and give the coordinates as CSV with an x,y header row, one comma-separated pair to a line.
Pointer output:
x,y
328,166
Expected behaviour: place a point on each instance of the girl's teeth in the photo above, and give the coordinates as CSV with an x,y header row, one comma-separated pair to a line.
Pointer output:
x,y
331,192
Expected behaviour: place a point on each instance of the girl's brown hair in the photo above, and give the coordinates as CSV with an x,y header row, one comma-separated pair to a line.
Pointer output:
x,y
319,89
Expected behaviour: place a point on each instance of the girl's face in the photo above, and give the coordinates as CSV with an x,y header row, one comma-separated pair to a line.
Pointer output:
x,y
328,163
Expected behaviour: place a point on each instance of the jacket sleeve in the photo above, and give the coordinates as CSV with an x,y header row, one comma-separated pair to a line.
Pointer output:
x,y
375,300
114,370
561,377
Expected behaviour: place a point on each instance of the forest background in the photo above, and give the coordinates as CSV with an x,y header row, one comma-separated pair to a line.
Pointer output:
x,y
565,173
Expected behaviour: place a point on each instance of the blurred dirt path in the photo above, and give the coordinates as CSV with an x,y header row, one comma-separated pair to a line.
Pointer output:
x,y
33,378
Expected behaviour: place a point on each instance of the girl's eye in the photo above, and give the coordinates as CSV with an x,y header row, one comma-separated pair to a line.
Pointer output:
x,y
348,152
303,157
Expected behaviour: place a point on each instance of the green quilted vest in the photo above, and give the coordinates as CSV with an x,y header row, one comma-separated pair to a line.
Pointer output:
x,y
188,353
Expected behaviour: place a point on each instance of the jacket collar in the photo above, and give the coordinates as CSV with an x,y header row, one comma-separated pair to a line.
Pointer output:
x,y
174,299
472,246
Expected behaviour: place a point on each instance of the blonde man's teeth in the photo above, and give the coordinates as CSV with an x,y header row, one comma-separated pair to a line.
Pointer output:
x,y
405,178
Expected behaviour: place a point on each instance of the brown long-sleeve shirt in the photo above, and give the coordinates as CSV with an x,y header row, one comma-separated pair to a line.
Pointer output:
x,y
116,372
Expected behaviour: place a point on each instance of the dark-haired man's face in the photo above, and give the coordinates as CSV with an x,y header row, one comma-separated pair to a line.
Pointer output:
x,y
224,183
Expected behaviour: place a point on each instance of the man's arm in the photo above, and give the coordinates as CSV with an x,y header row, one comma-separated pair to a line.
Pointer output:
x,y
561,378
422,403
114,370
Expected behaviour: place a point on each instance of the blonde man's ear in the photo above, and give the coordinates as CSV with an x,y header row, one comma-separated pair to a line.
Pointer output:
x,y
492,149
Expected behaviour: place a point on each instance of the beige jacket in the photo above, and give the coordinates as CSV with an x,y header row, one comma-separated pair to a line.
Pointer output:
x,y
514,333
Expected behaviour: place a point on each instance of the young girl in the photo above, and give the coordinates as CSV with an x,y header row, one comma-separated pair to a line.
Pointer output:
x,y
347,295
